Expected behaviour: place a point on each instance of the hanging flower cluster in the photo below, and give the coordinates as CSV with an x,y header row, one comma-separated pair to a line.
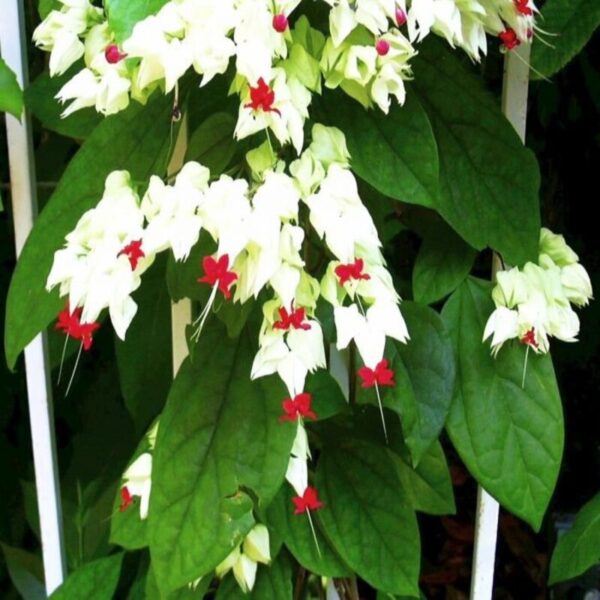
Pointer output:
x,y
277,68
534,303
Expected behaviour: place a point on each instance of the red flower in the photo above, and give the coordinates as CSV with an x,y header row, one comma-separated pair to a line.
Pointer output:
x,y
69,322
351,271
294,319
113,55
523,8
308,501
400,17
126,499
133,251
509,39
262,97
381,375
382,47
529,339
217,271
299,406
280,23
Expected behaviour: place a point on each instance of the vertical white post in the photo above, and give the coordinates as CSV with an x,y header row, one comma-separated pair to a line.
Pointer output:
x,y
515,87
181,312
39,392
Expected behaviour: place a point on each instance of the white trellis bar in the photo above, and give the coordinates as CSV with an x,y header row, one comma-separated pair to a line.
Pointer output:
x,y
515,89
13,46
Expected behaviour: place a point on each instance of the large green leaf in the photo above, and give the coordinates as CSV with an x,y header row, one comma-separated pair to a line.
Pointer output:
x,y
488,181
510,437
442,264
136,140
395,153
297,536
124,14
579,548
97,579
11,96
571,23
212,143
273,582
367,515
428,486
144,358
40,99
26,572
219,437
424,374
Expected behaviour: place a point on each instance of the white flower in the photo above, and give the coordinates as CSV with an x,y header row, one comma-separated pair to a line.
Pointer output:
x,y
369,331
556,248
138,480
256,545
576,283
171,211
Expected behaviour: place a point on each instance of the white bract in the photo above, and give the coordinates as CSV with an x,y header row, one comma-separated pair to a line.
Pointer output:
x,y
138,481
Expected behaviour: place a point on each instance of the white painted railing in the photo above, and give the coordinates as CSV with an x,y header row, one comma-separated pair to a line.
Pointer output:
x,y
13,46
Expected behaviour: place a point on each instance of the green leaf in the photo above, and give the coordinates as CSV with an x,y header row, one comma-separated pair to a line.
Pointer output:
x,y
45,6
26,573
571,24
442,264
367,516
510,438
273,582
488,181
97,579
40,99
11,96
136,140
395,153
297,536
579,548
328,399
195,592
425,371
144,358
428,486
213,144
124,14
219,437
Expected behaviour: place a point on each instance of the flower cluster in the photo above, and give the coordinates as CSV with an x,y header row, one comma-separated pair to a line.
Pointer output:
x,y
534,303
277,68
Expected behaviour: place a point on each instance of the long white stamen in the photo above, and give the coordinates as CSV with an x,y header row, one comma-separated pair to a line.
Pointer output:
x,y
538,73
525,367
205,312
314,533
62,359
381,412
74,370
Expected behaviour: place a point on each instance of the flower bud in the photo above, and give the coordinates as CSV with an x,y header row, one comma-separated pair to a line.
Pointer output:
x,y
556,248
576,284
256,545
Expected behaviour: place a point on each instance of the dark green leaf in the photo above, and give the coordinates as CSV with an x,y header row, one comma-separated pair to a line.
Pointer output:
x,y
137,140
213,144
26,573
11,96
571,24
424,374
219,436
327,396
443,263
488,181
395,153
40,99
144,358
187,592
511,438
124,14
428,486
96,580
299,540
367,516
579,548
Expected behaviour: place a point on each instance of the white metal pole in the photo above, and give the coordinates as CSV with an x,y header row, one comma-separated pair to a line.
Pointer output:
x,y
515,87
181,312
24,202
